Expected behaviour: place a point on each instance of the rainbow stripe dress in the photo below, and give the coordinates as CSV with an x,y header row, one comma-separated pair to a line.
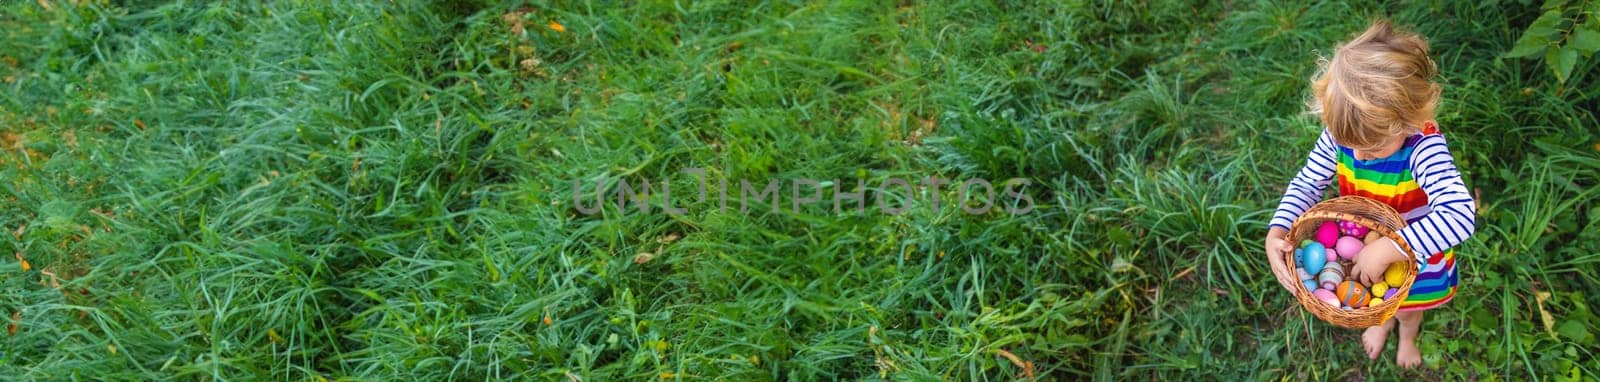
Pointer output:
x,y
1420,181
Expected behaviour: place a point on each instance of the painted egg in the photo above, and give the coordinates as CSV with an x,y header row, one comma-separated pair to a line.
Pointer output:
x,y
1353,294
1330,276
1350,228
1396,274
1332,255
1375,301
1328,233
1313,260
1349,247
1303,274
1390,294
1379,288
1311,285
1325,296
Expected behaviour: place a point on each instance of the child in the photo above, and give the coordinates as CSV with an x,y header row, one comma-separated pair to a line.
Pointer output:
x,y
1376,100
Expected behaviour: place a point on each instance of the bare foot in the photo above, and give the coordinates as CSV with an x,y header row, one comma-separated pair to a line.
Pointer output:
x,y
1408,356
1375,337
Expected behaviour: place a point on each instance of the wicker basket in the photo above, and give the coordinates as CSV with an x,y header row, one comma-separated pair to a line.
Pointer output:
x,y
1382,220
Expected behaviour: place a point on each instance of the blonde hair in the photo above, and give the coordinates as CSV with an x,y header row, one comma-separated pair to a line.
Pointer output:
x,y
1376,86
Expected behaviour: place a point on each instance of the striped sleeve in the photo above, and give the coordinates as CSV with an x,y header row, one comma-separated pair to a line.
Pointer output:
x,y
1306,188
1452,213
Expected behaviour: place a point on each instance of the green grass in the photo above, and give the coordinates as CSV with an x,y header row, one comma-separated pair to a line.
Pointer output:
x,y
382,190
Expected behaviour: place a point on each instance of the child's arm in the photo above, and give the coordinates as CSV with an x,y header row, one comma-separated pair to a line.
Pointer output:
x,y
1306,188
1304,191
1453,214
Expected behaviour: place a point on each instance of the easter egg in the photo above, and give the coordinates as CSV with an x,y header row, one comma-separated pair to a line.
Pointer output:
x,y
1332,255
1330,276
1304,275
1311,285
1390,294
1325,296
1379,288
1396,274
1353,294
1349,247
1375,301
1316,256
1328,233
1350,228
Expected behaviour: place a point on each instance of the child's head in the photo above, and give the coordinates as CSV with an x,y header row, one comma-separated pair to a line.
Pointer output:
x,y
1377,88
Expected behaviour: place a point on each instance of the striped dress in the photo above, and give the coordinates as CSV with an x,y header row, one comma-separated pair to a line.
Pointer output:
x,y
1420,181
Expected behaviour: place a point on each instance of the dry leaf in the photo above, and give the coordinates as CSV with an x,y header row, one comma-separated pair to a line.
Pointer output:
x,y
530,65
643,257
555,26
1549,320
16,318
9,140
1180,274
54,282
1027,366
517,19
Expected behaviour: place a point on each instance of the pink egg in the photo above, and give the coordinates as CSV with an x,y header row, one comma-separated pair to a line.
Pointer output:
x,y
1348,247
1328,234
1332,255
1326,296
1350,228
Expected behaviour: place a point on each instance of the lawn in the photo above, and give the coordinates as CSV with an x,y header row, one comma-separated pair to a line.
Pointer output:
x,y
383,190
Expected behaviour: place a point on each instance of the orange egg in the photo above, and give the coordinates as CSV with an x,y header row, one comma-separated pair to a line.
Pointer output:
x,y
1353,294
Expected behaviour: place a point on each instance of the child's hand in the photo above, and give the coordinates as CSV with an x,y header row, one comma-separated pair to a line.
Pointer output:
x,y
1374,259
1276,248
